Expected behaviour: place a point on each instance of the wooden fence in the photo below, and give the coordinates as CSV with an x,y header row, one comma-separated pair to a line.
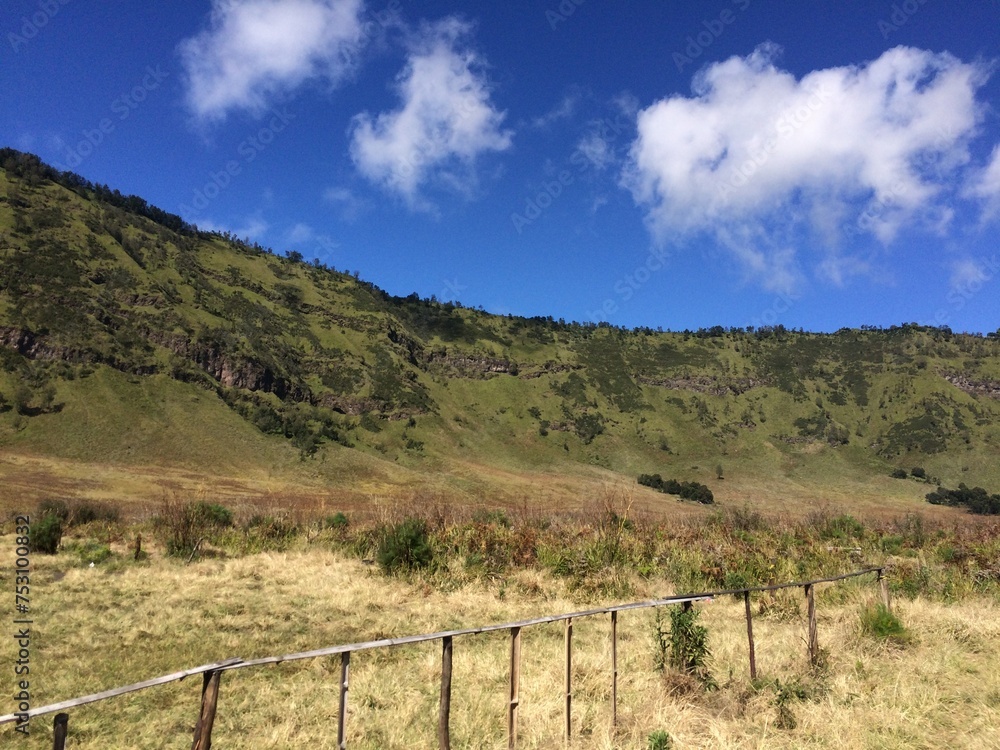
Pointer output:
x,y
212,673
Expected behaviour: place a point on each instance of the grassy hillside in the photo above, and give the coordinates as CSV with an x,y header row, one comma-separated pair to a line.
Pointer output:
x,y
942,688
131,340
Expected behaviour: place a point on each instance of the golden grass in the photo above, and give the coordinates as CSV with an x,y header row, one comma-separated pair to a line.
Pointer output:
x,y
98,628
138,491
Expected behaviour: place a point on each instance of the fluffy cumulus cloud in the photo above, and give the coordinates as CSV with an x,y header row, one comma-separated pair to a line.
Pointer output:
x,y
444,123
256,49
760,159
986,186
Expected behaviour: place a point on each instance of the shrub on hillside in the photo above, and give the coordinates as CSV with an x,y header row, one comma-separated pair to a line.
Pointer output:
x,y
85,512
405,547
976,499
213,514
186,525
695,491
46,534
337,521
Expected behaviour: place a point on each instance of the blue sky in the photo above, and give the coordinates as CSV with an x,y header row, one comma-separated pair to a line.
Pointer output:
x,y
674,164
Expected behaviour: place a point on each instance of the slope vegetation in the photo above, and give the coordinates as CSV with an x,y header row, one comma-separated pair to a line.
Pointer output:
x,y
131,339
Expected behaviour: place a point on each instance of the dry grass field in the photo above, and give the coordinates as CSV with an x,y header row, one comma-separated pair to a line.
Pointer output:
x,y
119,622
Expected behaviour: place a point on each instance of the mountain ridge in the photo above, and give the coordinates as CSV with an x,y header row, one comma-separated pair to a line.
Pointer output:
x,y
317,364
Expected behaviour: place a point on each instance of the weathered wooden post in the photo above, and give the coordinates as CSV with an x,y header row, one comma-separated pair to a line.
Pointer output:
x,y
60,728
883,584
569,680
345,674
515,687
444,717
209,702
753,654
138,547
614,669
813,639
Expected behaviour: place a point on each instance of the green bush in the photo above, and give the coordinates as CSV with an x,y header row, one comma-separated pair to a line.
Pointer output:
x,y
46,534
660,740
689,650
187,524
84,513
891,544
880,623
271,528
91,552
899,474
405,547
213,514
695,491
337,521
844,527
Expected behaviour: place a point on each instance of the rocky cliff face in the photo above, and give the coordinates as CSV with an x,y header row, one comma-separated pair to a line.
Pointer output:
x,y
989,388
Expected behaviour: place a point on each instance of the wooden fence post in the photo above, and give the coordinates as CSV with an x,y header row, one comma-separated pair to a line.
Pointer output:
x,y
345,674
515,687
813,639
444,717
60,727
209,702
883,584
614,669
569,680
753,654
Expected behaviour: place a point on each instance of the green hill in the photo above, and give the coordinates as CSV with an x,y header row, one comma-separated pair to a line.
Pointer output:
x,y
130,339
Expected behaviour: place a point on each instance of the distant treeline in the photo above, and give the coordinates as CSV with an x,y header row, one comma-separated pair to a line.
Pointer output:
x,y
977,500
695,491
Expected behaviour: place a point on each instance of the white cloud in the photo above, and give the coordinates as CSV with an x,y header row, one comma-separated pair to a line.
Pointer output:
x,y
968,273
446,120
346,202
756,156
562,111
255,50
986,186
300,233
596,150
